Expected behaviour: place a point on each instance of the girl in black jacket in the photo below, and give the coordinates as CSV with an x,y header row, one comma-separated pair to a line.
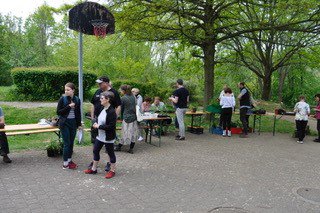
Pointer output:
x,y
106,125
68,110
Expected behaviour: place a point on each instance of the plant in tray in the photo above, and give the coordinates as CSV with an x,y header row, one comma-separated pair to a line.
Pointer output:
x,y
54,148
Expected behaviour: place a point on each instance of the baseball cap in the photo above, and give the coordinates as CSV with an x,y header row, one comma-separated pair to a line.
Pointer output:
x,y
103,79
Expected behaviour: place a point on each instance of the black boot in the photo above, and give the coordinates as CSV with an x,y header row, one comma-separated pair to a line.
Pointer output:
x,y
317,139
131,147
118,147
6,159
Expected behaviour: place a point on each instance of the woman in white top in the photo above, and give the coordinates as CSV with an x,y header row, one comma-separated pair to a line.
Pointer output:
x,y
302,110
227,103
106,126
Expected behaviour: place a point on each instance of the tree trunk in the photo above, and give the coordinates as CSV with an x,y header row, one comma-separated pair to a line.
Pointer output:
x,y
266,90
208,61
282,77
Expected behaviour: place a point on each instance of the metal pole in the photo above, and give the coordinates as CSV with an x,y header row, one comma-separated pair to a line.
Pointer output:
x,y
80,73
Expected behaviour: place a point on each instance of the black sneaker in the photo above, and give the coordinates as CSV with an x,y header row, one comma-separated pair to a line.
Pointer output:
x,y
177,136
180,138
6,159
117,148
316,140
107,168
130,151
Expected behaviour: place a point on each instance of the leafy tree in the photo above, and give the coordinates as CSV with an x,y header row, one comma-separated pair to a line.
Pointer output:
x,y
202,24
5,78
266,51
38,28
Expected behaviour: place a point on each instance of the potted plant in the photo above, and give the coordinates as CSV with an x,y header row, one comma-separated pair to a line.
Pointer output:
x,y
54,148
193,107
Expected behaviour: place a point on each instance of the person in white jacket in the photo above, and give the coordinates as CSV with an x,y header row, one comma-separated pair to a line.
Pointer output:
x,y
227,103
302,110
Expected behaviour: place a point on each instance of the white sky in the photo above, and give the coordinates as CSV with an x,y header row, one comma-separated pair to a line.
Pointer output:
x,y
23,8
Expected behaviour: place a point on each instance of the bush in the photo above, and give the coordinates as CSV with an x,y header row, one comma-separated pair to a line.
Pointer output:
x,y
146,89
5,76
47,83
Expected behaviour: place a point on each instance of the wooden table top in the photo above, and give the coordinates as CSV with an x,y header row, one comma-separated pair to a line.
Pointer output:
x,y
22,127
196,113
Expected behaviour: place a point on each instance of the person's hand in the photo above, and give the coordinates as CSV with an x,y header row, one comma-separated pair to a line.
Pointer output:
x,y
95,125
72,105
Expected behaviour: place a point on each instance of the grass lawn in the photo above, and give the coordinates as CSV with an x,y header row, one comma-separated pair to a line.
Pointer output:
x,y
6,93
39,141
25,116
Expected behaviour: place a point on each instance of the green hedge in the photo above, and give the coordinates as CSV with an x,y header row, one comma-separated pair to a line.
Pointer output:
x,y
146,89
47,83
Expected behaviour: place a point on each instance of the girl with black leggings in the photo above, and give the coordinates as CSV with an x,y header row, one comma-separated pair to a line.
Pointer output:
x,y
227,103
106,125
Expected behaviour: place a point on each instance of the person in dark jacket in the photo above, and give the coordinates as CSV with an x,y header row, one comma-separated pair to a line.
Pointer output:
x,y
69,113
106,126
4,146
245,104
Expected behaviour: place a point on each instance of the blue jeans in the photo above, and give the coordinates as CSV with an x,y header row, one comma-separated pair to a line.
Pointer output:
x,y
68,132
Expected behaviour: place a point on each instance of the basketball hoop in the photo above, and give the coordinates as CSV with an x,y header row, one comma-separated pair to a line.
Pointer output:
x,y
99,28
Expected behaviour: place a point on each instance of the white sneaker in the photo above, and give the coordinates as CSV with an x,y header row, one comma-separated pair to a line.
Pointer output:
x,y
229,133
140,138
301,142
224,133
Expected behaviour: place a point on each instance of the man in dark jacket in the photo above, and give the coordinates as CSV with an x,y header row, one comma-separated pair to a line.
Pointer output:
x,y
245,104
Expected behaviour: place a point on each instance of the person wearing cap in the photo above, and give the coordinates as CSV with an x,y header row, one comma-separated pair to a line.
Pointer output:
x,y
104,85
180,99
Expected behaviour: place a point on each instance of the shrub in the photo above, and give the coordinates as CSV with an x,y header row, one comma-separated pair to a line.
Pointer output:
x,y
146,89
5,77
47,83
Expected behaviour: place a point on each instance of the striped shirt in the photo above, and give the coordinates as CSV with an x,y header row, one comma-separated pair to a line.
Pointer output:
x,y
71,114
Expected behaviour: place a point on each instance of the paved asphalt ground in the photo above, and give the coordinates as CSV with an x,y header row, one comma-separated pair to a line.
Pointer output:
x,y
202,174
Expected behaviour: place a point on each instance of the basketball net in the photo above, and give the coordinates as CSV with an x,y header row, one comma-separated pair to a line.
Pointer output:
x,y
100,29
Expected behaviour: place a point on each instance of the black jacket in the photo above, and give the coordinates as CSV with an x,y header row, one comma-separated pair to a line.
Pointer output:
x,y
110,126
64,109
245,100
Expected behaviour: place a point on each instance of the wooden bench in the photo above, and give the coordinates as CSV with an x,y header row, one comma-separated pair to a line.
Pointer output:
x,y
27,129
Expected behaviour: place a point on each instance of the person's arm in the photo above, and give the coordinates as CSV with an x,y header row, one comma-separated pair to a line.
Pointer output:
x,y
61,109
221,102
244,91
78,109
139,101
175,99
308,109
233,102
2,119
143,106
296,107
92,112
118,111
110,122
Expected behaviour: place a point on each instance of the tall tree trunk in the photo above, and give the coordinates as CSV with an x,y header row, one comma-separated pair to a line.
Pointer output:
x,y
266,90
282,77
208,60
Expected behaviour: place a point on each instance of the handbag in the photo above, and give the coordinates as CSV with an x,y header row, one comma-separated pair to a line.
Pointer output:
x,y
61,121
